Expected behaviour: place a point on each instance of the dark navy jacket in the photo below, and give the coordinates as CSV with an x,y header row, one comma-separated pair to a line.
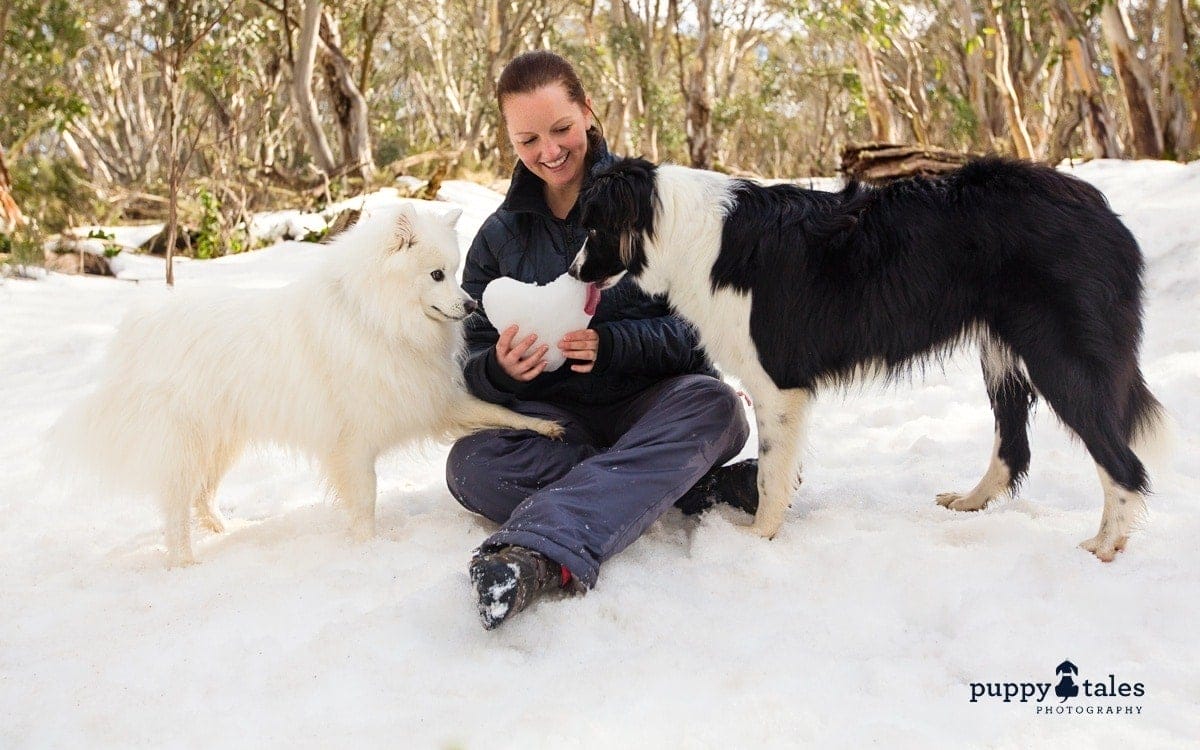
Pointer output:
x,y
641,342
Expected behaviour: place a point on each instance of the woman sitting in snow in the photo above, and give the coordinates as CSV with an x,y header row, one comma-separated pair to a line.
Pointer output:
x,y
645,414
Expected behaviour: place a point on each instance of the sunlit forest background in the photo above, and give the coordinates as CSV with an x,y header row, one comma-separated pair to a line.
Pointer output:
x,y
117,110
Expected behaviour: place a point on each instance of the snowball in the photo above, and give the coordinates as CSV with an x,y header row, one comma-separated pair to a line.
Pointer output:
x,y
550,311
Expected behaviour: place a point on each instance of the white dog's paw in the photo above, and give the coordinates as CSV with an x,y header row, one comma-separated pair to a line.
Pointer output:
x,y
548,428
180,558
1104,546
214,522
959,501
362,529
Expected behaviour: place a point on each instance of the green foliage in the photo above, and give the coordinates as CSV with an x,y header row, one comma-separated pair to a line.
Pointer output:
x,y
212,239
23,249
963,120
56,191
111,249
870,18
41,39
316,235
208,243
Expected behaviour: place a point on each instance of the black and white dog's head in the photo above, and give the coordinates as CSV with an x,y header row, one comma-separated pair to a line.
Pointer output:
x,y
617,209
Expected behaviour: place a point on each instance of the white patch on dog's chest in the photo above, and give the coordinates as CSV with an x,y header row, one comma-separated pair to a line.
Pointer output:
x,y
723,322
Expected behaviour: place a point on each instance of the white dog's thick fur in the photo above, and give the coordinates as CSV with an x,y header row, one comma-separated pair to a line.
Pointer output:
x,y
342,365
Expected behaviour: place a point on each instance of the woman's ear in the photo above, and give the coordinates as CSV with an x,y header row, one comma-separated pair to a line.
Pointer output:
x,y
591,111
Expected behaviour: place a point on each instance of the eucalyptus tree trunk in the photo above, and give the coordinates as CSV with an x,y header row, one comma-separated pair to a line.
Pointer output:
x,y
174,171
1022,144
1178,83
1135,81
1083,85
619,120
349,104
302,93
879,107
698,92
975,69
10,212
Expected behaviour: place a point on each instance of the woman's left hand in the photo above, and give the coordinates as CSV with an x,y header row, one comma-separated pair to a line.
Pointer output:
x,y
582,345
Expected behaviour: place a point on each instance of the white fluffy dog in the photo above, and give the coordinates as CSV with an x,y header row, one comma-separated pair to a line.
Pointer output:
x,y
341,366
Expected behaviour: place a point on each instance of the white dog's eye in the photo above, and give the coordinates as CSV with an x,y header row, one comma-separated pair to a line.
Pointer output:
x,y
437,275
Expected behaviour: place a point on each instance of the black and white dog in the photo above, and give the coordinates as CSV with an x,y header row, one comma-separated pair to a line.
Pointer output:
x,y
793,289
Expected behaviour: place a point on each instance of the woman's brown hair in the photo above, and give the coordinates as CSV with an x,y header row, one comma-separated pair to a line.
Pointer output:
x,y
531,71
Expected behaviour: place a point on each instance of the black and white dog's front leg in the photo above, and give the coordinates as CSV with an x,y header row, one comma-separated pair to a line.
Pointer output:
x,y
781,416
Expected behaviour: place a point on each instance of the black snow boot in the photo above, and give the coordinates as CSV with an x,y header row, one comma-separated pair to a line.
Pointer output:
x,y
735,485
507,580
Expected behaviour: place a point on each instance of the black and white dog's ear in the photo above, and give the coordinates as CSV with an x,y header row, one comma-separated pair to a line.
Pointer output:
x,y
629,240
611,202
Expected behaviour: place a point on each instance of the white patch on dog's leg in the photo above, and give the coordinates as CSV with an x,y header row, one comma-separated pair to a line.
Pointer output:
x,y
353,481
780,419
1123,509
994,482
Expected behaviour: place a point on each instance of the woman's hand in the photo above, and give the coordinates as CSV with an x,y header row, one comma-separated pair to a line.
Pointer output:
x,y
584,345
521,362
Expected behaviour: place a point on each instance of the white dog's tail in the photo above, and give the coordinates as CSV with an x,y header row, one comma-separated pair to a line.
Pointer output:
x,y
122,436
109,443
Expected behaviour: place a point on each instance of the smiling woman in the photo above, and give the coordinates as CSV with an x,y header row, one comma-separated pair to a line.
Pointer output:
x,y
645,417
549,133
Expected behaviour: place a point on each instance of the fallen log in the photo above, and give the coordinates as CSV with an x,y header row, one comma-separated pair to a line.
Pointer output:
x,y
884,162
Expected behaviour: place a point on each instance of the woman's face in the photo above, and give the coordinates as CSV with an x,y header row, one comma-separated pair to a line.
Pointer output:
x,y
549,133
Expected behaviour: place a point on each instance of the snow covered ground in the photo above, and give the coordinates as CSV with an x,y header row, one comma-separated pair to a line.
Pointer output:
x,y
866,621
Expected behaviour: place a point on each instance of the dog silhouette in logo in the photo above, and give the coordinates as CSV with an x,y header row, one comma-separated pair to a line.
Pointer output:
x,y
1066,688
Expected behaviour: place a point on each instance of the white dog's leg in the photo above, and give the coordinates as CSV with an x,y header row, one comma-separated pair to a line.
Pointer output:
x,y
177,503
352,477
780,416
1122,510
471,414
207,510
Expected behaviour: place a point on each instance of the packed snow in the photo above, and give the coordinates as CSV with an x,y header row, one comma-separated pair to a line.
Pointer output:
x,y
549,311
867,620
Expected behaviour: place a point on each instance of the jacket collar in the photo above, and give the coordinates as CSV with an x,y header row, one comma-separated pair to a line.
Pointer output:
x,y
526,192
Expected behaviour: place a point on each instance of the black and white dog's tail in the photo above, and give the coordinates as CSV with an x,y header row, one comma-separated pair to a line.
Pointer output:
x,y
1147,426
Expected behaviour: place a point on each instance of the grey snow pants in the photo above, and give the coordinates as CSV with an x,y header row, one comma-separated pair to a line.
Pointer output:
x,y
618,468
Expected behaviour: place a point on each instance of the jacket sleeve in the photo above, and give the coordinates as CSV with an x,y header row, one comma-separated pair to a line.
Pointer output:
x,y
481,371
662,346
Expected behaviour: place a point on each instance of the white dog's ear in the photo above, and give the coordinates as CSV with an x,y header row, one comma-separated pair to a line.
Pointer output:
x,y
451,216
405,222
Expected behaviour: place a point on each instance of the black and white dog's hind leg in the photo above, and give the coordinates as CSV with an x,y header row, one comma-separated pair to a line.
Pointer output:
x,y
1108,406
1011,397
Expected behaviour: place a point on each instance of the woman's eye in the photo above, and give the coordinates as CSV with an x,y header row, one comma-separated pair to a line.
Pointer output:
x,y
563,129
437,275
526,143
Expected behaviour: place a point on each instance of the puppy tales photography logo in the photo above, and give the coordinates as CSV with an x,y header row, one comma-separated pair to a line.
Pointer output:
x,y
1067,694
